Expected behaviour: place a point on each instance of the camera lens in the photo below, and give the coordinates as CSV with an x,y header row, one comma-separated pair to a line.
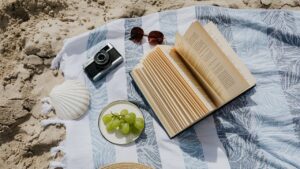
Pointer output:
x,y
101,58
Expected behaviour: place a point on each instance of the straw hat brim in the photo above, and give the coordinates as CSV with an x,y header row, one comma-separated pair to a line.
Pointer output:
x,y
126,166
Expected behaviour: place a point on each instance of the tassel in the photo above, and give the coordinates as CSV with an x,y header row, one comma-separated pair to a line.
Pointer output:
x,y
46,106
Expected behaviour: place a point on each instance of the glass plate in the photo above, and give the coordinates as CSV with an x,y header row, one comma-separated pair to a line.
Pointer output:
x,y
117,137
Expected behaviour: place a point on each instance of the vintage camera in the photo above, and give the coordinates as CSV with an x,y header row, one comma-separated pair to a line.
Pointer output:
x,y
105,60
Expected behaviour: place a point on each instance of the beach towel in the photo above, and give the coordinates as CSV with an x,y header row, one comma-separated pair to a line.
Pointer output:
x,y
260,129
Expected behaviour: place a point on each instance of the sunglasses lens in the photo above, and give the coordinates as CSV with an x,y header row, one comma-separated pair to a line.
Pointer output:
x,y
155,37
136,34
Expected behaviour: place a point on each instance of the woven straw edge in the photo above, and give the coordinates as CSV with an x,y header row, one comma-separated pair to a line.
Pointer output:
x,y
126,165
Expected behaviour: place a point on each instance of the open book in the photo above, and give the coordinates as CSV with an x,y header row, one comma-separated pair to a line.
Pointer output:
x,y
190,80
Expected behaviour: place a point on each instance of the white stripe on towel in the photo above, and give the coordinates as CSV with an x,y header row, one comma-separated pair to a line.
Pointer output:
x,y
78,145
117,85
214,152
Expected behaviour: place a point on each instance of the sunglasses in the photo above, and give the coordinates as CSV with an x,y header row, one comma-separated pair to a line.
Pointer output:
x,y
154,37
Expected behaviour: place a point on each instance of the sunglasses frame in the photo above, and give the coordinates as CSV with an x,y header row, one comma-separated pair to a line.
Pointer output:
x,y
154,37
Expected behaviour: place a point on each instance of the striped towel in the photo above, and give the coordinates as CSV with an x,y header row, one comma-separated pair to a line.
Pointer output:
x,y
260,129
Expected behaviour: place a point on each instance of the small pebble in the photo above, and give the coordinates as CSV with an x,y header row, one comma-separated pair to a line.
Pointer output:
x,y
1,49
51,13
91,27
101,2
55,72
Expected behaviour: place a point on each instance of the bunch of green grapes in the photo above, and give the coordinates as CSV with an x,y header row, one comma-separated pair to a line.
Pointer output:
x,y
124,121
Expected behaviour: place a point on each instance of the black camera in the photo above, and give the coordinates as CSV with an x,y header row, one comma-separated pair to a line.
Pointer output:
x,y
104,61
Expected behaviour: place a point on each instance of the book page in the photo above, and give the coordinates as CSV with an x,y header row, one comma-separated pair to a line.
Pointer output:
x,y
216,35
182,69
181,45
204,56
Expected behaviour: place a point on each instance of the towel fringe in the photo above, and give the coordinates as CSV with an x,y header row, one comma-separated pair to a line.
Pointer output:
x,y
46,106
47,122
56,164
55,150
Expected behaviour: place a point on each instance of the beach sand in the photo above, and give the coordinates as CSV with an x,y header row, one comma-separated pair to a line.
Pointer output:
x,y
31,34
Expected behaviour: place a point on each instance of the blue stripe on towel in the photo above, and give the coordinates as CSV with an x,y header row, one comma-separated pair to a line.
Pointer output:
x,y
96,40
103,151
187,141
284,49
219,16
147,148
191,149
257,127
286,57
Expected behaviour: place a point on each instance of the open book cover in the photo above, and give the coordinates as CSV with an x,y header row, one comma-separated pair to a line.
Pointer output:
x,y
187,82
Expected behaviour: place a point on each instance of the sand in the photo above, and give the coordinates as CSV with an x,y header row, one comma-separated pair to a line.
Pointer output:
x,y
31,34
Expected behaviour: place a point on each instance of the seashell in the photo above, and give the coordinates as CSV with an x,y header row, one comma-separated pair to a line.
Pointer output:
x,y
70,99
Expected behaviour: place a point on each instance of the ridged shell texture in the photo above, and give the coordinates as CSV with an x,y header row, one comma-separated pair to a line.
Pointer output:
x,y
70,99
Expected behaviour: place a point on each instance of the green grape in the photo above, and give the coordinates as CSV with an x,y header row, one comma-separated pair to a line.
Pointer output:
x,y
107,118
133,116
139,119
109,127
139,123
124,112
115,123
134,130
128,119
122,120
125,129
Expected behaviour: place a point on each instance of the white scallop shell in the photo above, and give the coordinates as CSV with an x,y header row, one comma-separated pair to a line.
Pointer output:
x,y
70,99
